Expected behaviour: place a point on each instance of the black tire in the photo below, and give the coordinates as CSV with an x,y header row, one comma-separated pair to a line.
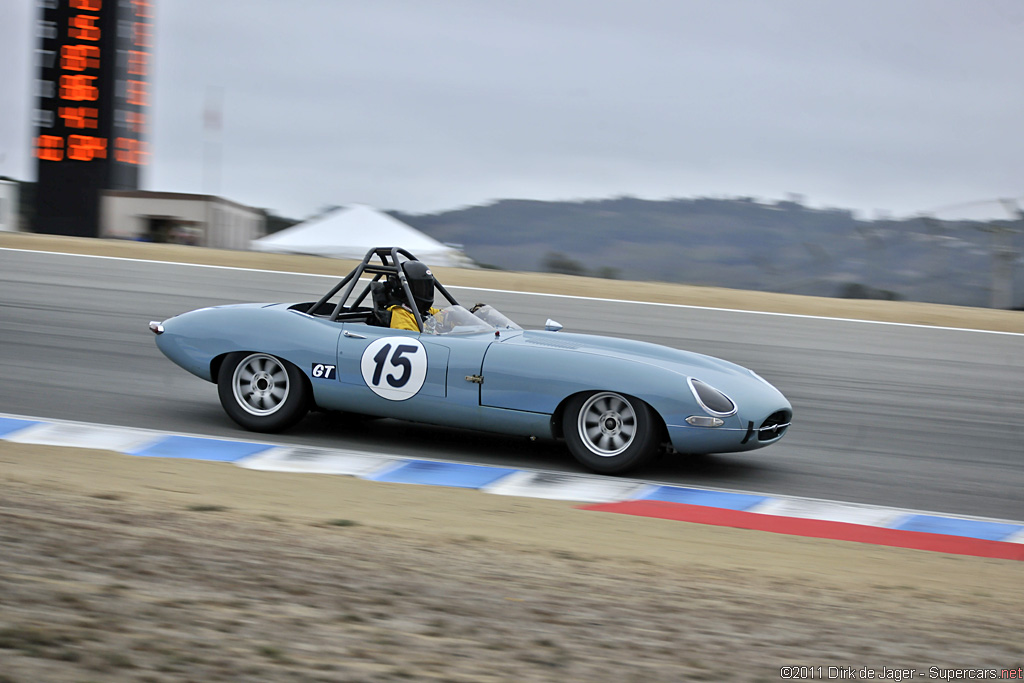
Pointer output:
x,y
261,392
610,433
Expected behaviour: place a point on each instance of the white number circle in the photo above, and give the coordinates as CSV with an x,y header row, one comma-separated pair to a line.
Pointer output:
x,y
394,367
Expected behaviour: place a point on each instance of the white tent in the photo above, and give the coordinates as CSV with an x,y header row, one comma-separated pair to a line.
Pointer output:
x,y
349,232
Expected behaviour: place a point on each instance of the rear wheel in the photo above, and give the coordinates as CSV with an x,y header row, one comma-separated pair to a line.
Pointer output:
x,y
262,392
610,433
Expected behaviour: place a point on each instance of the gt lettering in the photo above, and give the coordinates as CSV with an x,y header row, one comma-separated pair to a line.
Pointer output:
x,y
323,371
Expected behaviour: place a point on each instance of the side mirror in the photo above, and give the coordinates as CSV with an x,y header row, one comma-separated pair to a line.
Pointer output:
x,y
552,325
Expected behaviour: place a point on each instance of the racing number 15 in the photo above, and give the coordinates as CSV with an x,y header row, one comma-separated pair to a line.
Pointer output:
x,y
397,361
394,368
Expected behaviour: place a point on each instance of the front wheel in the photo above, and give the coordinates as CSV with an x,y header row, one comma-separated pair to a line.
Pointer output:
x,y
262,392
610,433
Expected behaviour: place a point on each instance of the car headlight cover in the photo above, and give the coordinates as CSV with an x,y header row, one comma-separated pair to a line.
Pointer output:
x,y
704,421
712,400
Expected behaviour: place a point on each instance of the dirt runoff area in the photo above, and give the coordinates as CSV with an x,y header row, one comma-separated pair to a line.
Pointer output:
x,y
121,568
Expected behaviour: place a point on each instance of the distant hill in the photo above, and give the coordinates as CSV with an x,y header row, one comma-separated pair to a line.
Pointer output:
x,y
740,242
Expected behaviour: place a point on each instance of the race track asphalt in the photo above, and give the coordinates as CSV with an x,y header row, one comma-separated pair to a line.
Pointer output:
x,y
895,415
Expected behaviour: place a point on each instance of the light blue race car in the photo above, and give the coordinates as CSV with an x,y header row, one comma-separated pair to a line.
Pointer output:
x,y
615,402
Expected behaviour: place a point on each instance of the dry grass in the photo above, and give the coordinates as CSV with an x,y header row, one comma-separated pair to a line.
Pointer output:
x,y
433,584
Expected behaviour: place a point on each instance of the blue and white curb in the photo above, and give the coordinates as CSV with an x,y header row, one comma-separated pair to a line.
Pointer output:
x,y
582,488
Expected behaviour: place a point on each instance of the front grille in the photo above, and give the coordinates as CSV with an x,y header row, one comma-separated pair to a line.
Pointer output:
x,y
775,426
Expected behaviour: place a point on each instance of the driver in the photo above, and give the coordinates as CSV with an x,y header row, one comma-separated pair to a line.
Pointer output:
x,y
421,284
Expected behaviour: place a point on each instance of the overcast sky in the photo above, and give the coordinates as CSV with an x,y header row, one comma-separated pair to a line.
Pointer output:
x,y
898,106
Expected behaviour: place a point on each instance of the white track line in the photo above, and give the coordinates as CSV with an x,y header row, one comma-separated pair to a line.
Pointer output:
x,y
547,294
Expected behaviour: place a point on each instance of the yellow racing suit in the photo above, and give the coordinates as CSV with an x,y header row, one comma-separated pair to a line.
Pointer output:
x,y
403,319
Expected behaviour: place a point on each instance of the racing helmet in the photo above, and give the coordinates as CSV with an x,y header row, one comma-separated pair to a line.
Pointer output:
x,y
421,284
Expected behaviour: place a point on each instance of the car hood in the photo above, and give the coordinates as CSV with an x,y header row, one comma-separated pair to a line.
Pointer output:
x,y
676,360
534,370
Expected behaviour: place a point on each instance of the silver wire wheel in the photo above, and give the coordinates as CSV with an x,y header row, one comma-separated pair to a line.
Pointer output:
x,y
607,424
260,384
262,392
610,432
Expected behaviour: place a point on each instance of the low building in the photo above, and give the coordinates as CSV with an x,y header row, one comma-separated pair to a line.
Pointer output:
x,y
9,205
197,219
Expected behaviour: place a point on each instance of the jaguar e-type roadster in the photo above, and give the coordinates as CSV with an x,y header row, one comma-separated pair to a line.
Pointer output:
x,y
615,402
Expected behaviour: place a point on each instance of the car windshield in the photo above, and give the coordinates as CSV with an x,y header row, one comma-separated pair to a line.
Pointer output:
x,y
494,317
454,320
457,320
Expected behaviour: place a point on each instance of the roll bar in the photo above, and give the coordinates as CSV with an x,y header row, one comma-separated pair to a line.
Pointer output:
x,y
388,265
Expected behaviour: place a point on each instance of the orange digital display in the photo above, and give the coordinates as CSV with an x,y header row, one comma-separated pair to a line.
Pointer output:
x,y
143,8
130,151
136,121
86,147
83,27
93,95
78,88
50,147
91,34
79,117
141,35
137,94
138,63
79,57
